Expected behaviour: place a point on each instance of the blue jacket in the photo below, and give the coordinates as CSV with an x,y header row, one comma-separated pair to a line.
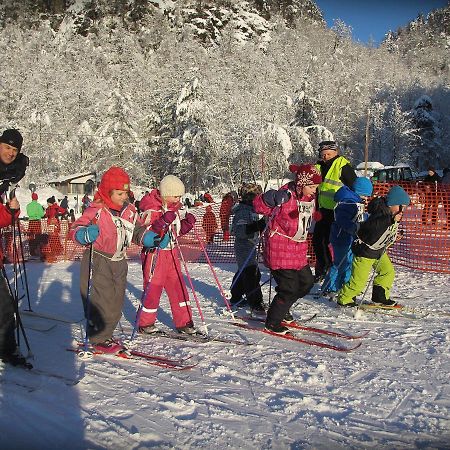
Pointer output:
x,y
346,217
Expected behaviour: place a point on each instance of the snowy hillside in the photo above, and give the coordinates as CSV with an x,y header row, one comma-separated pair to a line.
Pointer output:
x,y
392,392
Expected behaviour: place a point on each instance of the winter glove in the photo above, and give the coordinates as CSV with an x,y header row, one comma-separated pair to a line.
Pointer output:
x,y
87,235
274,198
226,235
150,239
257,225
187,223
317,216
164,241
161,225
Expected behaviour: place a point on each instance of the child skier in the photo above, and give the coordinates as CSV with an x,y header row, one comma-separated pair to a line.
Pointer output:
x,y
245,227
374,236
285,251
348,215
162,268
109,223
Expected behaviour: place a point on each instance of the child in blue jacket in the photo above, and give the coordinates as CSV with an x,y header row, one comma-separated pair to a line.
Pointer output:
x,y
348,214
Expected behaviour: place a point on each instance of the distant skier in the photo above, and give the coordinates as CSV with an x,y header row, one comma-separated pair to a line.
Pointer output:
x,y
227,204
209,224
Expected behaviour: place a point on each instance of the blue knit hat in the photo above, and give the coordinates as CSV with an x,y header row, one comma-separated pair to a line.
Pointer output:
x,y
397,196
363,187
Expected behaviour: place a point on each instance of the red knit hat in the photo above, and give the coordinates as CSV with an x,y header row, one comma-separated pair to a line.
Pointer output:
x,y
305,174
34,196
113,178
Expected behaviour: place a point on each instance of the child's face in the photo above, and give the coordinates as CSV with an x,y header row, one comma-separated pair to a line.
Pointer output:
x,y
118,197
310,189
172,200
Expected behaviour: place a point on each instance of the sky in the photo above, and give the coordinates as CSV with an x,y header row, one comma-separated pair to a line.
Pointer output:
x,y
375,17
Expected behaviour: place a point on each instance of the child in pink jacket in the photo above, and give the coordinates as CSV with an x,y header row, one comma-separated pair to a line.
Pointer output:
x,y
162,268
291,210
110,224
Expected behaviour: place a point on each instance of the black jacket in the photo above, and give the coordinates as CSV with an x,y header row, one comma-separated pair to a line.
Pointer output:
x,y
373,228
348,175
12,173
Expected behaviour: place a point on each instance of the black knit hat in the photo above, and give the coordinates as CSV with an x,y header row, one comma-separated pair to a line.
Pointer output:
x,y
13,138
51,200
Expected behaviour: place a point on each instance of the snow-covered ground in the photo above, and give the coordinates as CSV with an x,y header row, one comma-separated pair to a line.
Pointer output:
x,y
392,392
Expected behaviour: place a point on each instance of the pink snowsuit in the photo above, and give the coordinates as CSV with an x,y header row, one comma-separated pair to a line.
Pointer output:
x,y
162,269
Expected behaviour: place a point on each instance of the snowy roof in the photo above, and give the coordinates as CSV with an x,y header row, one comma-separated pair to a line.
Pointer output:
x,y
79,177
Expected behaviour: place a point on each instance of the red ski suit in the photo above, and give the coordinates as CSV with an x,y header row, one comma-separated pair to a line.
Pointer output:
x,y
162,269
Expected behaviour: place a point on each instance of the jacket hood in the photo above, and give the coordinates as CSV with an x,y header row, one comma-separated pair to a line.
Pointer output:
x,y
346,195
152,200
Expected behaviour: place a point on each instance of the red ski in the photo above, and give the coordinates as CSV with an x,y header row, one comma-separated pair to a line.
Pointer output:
x,y
297,326
292,337
135,355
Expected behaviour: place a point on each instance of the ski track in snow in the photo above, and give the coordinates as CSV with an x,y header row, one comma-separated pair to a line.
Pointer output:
x,y
392,392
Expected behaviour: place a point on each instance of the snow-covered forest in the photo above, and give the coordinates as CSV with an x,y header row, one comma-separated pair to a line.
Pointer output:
x,y
215,91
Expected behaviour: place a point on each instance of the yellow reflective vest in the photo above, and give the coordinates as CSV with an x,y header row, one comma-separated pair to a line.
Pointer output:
x,y
331,183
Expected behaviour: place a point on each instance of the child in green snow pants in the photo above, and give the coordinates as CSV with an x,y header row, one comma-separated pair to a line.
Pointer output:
x,y
361,268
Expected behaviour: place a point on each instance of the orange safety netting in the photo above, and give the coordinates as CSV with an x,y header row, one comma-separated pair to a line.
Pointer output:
x,y
425,244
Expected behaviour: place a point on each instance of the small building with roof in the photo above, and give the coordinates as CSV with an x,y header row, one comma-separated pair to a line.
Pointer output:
x,y
77,183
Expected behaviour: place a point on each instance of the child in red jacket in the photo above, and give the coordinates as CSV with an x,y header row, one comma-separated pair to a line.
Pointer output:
x,y
162,268
291,210
110,223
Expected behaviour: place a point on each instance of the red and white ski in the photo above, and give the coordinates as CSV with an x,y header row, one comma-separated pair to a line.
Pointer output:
x,y
292,337
332,333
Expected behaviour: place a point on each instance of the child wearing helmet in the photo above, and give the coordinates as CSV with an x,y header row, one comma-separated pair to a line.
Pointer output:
x,y
374,236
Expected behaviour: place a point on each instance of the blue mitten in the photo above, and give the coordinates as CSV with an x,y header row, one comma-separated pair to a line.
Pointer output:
x,y
87,235
274,198
164,241
150,239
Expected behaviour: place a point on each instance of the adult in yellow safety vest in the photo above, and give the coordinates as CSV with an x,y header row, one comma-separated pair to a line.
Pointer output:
x,y
336,172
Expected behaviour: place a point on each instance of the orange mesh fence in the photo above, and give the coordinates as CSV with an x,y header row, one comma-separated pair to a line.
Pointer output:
x,y
425,244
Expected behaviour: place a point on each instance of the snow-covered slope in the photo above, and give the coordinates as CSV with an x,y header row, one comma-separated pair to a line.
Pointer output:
x,y
392,392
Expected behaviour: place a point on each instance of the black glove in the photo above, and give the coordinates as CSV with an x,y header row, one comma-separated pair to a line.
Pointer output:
x,y
274,198
257,225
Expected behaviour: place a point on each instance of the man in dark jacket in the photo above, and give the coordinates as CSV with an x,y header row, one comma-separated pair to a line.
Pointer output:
x,y
431,196
12,168
373,237
336,172
13,163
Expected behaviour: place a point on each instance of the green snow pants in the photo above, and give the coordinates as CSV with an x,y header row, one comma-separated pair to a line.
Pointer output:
x,y
361,268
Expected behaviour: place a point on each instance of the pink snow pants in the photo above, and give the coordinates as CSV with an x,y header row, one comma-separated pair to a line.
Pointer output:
x,y
167,275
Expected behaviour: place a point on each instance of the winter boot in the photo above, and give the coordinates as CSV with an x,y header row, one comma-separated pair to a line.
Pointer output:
x,y
277,329
16,359
347,303
379,297
109,346
188,329
149,329
288,318
258,310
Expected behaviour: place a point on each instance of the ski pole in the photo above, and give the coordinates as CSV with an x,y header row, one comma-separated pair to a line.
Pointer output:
x,y
146,289
24,267
251,292
222,293
191,284
86,353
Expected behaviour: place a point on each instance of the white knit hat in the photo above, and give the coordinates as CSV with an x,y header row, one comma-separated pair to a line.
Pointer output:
x,y
171,186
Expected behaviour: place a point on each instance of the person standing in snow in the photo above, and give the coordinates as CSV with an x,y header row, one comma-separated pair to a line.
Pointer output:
x,y
12,168
162,268
373,238
227,204
35,213
109,224
209,224
246,227
348,215
291,210
336,172
431,197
